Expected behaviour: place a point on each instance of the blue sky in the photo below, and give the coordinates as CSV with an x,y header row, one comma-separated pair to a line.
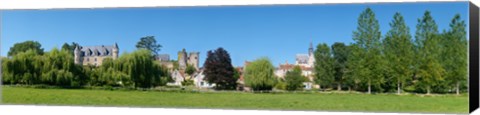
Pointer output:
x,y
246,32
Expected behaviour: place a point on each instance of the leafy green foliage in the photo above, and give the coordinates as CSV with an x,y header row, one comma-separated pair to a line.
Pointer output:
x,y
428,47
340,55
149,43
259,75
324,71
187,82
25,46
190,69
69,47
367,39
294,79
454,55
398,50
57,68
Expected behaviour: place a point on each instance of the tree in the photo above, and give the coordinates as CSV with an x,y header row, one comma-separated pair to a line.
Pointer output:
x,y
149,43
367,38
59,68
69,47
324,71
23,68
340,55
355,68
219,69
190,70
455,53
294,79
142,69
428,50
259,75
24,46
398,50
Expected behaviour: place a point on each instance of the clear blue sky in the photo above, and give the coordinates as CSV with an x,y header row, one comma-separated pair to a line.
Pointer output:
x,y
246,32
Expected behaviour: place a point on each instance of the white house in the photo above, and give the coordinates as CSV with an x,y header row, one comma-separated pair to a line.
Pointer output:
x,y
177,78
199,82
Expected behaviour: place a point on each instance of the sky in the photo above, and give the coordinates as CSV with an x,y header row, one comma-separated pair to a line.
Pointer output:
x,y
278,32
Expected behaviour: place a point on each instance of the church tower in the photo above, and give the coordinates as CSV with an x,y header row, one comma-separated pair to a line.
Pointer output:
x,y
310,50
311,57
115,51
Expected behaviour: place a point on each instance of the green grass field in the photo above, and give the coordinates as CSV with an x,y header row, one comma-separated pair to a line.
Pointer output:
x,y
239,100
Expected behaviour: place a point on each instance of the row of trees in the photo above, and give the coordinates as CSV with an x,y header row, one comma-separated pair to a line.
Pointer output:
x,y
28,64
432,62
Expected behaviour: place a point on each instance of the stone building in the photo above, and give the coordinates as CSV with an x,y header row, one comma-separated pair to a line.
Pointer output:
x,y
162,57
191,59
305,60
94,55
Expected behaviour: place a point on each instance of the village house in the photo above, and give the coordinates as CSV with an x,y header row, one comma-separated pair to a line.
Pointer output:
x,y
199,81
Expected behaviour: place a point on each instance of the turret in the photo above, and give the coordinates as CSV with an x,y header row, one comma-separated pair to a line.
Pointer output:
x,y
193,59
115,51
182,59
77,54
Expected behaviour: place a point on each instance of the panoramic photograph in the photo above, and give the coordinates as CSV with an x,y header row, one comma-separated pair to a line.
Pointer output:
x,y
371,57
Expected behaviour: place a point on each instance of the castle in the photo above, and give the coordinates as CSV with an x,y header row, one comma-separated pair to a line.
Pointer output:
x,y
190,59
94,55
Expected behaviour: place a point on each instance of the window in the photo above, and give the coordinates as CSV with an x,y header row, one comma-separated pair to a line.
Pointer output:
x,y
88,59
95,59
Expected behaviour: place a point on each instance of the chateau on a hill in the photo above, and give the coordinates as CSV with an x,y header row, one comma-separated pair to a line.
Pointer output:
x,y
94,55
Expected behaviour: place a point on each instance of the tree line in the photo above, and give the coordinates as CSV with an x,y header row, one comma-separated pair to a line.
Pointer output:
x,y
431,62
28,64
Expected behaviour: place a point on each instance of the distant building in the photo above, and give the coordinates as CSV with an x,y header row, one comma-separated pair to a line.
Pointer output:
x,y
178,77
162,57
199,80
94,55
305,62
191,59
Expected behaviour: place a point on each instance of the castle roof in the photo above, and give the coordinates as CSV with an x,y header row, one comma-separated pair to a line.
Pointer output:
x,y
101,50
163,57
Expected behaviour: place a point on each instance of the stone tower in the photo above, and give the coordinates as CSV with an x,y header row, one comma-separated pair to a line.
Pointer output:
x,y
77,54
182,59
115,51
193,59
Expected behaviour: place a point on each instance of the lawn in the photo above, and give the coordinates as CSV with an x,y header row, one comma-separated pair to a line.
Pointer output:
x,y
239,100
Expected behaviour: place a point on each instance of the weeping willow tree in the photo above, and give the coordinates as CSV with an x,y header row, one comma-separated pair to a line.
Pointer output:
x,y
141,69
259,75
23,68
59,69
